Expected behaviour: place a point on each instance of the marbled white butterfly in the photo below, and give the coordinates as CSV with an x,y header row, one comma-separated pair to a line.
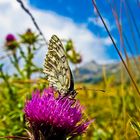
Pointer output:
x,y
57,69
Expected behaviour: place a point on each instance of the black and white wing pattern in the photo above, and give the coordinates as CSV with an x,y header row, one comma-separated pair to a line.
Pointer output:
x,y
57,69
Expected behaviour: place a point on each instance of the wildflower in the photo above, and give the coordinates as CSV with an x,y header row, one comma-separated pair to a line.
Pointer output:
x,y
11,42
10,37
29,37
52,118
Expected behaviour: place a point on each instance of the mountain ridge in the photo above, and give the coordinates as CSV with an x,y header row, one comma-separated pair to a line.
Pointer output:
x,y
92,72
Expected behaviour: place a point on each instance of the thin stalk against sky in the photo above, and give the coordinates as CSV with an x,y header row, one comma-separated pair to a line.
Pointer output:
x,y
133,18
123,37
129,73
33,19
131,28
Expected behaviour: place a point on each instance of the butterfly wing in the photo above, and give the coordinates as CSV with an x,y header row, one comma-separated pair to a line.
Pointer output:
x,y
56,67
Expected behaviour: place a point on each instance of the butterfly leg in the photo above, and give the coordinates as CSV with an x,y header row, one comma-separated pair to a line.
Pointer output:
x,y
74,100
73,94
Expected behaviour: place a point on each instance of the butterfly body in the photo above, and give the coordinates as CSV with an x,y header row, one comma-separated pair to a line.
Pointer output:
x,y
57,69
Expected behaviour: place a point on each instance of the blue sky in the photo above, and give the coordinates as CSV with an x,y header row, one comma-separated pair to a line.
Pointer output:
x,y
81,11
71,19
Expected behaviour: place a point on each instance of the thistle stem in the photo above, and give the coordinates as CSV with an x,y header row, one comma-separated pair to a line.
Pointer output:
x,y
4,77
29,62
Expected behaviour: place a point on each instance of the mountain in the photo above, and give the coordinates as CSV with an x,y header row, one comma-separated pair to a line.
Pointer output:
x,y
92,72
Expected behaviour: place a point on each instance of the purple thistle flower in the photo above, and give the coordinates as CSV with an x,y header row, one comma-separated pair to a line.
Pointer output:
x,y
11,42
10,37
54,118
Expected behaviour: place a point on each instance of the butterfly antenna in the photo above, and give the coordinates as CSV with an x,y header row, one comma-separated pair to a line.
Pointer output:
x,y
84,88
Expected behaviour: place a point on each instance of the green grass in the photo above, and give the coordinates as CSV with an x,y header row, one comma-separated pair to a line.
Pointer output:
x,y
111,111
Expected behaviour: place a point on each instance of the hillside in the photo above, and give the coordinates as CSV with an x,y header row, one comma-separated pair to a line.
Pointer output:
x,y
92,72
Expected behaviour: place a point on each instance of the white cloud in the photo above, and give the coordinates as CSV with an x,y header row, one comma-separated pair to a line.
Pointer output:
x,y
15,20
97,21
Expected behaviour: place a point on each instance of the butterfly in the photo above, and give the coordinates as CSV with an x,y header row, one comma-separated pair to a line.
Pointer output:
x,y
57,69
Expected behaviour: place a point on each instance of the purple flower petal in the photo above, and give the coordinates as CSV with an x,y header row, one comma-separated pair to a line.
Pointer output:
x,y
10,37
55,115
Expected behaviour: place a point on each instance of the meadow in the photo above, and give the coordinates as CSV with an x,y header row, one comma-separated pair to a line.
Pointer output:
x,y
115,112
